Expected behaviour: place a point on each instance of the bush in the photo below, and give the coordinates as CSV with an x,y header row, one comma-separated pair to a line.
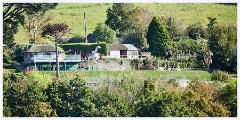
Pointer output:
x,y
86,47
195,31
221,76
76,39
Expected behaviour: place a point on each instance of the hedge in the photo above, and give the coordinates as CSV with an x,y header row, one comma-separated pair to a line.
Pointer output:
x,y
86,47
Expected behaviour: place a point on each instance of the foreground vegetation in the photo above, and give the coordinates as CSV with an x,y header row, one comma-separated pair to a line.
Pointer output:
x,y
135,93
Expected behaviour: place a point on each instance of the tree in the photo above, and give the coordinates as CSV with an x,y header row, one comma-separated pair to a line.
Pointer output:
x,y
158,39
223,42
172,27
137,37
36,19
144,106
111,103
105,34
73,98
13,15
130,23
58,31
229,97
118,16
196,31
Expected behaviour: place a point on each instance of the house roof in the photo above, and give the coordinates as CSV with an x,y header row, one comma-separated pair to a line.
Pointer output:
x,y
130,46
115,47
43,48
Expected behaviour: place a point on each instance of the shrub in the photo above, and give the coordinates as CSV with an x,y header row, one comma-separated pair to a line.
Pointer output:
x,y
221,76
86,47
195,31
76,39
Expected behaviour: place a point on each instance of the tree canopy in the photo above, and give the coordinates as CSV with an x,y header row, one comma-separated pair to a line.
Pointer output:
x,y
158,39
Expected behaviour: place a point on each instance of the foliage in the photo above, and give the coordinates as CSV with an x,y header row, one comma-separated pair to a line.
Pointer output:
x,y
173,27
18,55
136,36
129,22
210,91
229,97
36,19
158,39
196,31
223,42
89,47
7,56
76,39
221,76
24,98
13,15
111,103
145,105
233,60
73,98
104,34
118,16
58,31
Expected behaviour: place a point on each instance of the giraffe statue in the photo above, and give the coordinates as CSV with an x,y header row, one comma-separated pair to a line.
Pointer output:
x,y
94,54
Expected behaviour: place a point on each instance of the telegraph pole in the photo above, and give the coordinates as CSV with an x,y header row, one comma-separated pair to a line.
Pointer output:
x,y
85,25
57,61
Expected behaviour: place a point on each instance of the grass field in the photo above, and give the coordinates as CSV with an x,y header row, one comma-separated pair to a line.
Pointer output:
x,y
186,13
93,76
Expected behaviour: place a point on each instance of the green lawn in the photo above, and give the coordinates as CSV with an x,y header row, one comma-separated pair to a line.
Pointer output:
x,y
186,13
143,74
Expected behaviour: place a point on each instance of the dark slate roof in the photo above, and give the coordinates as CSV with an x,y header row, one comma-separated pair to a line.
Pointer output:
x,y
43,48
114,47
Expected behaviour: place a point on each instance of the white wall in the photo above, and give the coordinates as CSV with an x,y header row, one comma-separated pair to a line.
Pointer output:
x,y
132,54
114,54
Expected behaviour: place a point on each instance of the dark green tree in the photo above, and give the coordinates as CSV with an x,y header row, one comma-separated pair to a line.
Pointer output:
x,y
137,37
104,34
196,31
144,106
13,15
223,42
158,39
229,97
111,103
73,98
80,98
118,16
172,27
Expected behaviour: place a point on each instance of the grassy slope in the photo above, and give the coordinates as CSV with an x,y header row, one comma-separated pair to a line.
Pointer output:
x,y
72,14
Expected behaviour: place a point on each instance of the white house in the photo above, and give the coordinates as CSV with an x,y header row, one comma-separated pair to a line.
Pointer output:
x,y
122,51
46,53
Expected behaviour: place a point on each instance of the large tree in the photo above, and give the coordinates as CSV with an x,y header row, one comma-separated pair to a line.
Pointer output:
x,y
105,34
58,32
223,43
129,22
14,14
158,39
118,16
36,19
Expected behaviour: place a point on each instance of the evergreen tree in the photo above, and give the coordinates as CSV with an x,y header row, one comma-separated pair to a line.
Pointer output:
x,y
158,39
